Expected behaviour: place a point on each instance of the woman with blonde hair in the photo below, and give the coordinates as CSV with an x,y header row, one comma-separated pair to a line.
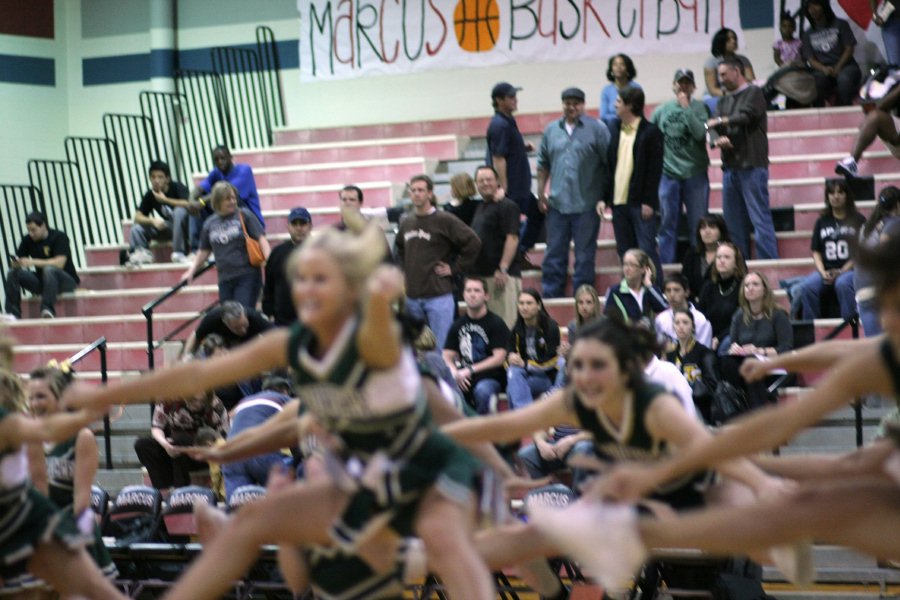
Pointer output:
x,y
361,383
636,298
462,194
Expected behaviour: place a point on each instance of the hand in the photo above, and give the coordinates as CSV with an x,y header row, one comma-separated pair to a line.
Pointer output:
x,y
202,453
564,348
515,360
463,378
543,206
500,279
723,142
602,212
442,269
877,20
529,146
188,276
194,207
828,277
547,450
648,277
736,350
171,450
386,282
501,194
713,123
627,482
25,262
160,197
754,369
682,98
160,224
647,212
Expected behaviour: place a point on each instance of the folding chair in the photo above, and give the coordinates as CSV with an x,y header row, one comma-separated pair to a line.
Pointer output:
x,y
178,517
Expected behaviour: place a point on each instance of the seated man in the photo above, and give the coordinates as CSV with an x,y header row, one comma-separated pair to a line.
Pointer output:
x,y
234,322
476,348
677,291
47,251
551,451
169,200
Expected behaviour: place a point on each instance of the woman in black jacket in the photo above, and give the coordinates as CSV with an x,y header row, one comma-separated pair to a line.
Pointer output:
x,y
700,257
719,296
697,363
533,351
635,299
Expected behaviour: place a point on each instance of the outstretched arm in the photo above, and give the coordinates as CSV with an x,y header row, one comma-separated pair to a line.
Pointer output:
x,y
379,335
277,432
512,425
16,430
818,357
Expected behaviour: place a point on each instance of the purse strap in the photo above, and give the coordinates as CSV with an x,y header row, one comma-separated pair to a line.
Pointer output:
x,y
241,218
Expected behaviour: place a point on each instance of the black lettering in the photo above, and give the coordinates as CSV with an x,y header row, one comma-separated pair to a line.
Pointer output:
x,y
622,32
562,31
661,32
361,32
513,9
319,24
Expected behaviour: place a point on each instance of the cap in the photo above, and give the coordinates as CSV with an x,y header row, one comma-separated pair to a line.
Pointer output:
x,y
504,90
573,92
684,74
299,214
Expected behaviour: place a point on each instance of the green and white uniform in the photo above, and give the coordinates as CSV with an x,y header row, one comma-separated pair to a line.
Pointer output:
x,y
61,479
340,575
27,519
379,411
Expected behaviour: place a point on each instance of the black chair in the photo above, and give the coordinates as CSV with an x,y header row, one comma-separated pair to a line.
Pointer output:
x,y
135,516
244,495
178,516
99,504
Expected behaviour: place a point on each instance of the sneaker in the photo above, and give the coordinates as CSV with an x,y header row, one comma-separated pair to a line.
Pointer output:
x,y
602,537
847,167
179,257
8,318
795,562
46,313
141,256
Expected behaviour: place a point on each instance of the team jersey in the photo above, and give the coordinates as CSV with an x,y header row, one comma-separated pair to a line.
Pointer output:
x,y
14,484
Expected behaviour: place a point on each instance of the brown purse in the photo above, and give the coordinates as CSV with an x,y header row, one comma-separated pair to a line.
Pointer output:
x,y
254,250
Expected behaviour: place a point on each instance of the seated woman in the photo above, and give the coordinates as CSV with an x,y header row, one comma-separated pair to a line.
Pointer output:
x,y
711,231
833,244
724,46
696,362
531,355
719,296
621,73
636,298
827,48
759,328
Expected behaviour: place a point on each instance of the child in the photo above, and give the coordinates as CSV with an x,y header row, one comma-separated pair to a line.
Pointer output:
x,y
786,51
207,436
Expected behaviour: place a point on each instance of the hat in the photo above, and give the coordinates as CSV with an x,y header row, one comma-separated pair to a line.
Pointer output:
x,y
684,74
504,90
299,214
573,92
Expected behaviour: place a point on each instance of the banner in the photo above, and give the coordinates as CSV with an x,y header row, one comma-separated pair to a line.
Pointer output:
x,y
342,39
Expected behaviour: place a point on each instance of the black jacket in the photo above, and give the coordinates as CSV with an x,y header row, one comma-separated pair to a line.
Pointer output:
x,y
648,164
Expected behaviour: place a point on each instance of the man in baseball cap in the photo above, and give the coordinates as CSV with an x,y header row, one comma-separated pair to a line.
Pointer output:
x,y
685,162
277,303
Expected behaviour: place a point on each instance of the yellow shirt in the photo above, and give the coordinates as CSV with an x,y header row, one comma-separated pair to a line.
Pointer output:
x,y
625,162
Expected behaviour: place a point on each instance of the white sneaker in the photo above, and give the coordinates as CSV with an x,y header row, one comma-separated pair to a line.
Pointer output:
x,y
602,537
47,314
847,167
795,562
8,318
141,256
179,257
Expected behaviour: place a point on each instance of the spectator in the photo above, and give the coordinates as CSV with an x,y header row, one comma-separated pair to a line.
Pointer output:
x,y
230,394
47,251
223,233
355,217
890,28
249,413
696,361
759,329
531,356
833,246
507,152
587,308
635,166
620,73
828,45
175,425
671,378
276,301
710,232
432,245
169,199
885,216
231,320
238,175
572,157
786,51
552,449
719,297
685,180
462,198
878,122
724,47
635,299
677,293
496,223
739,131
476,348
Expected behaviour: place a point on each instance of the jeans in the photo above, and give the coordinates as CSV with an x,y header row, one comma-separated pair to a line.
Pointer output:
x,y
438,312
582,228
253,471
890,34
176,230
481,394
810,293
869,318
530,230
846,85
538,467
49,283
196,224
745,204
244,289
693,193
523,386
633,231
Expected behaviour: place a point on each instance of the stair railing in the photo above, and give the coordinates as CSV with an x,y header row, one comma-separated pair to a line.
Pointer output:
x,y
98,345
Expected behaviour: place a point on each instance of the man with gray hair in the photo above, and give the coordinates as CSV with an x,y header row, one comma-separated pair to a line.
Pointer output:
x,y
231,320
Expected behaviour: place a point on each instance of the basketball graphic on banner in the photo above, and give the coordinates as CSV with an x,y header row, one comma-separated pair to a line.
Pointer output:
x,y
477,24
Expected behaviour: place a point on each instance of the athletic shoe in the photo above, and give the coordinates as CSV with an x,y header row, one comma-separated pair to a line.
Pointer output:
x,y
179,257
847,167
795,562
8,318
141,256
47,314
603,538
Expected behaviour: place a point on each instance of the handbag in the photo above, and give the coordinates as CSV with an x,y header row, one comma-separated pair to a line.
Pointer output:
x,y
254,250
728,402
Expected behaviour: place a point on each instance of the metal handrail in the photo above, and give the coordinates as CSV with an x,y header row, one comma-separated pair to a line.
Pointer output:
x,y
147,311
100,346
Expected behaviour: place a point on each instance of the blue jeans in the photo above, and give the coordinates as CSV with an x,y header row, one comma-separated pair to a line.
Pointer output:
x,y
869,318
438,312
141,235
633,231
522,386
244,289
253,471
810,294
745,204
693,193
582,228
481,394
890,34
48,284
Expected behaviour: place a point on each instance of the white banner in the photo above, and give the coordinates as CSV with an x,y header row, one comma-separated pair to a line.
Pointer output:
x,y
342,39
